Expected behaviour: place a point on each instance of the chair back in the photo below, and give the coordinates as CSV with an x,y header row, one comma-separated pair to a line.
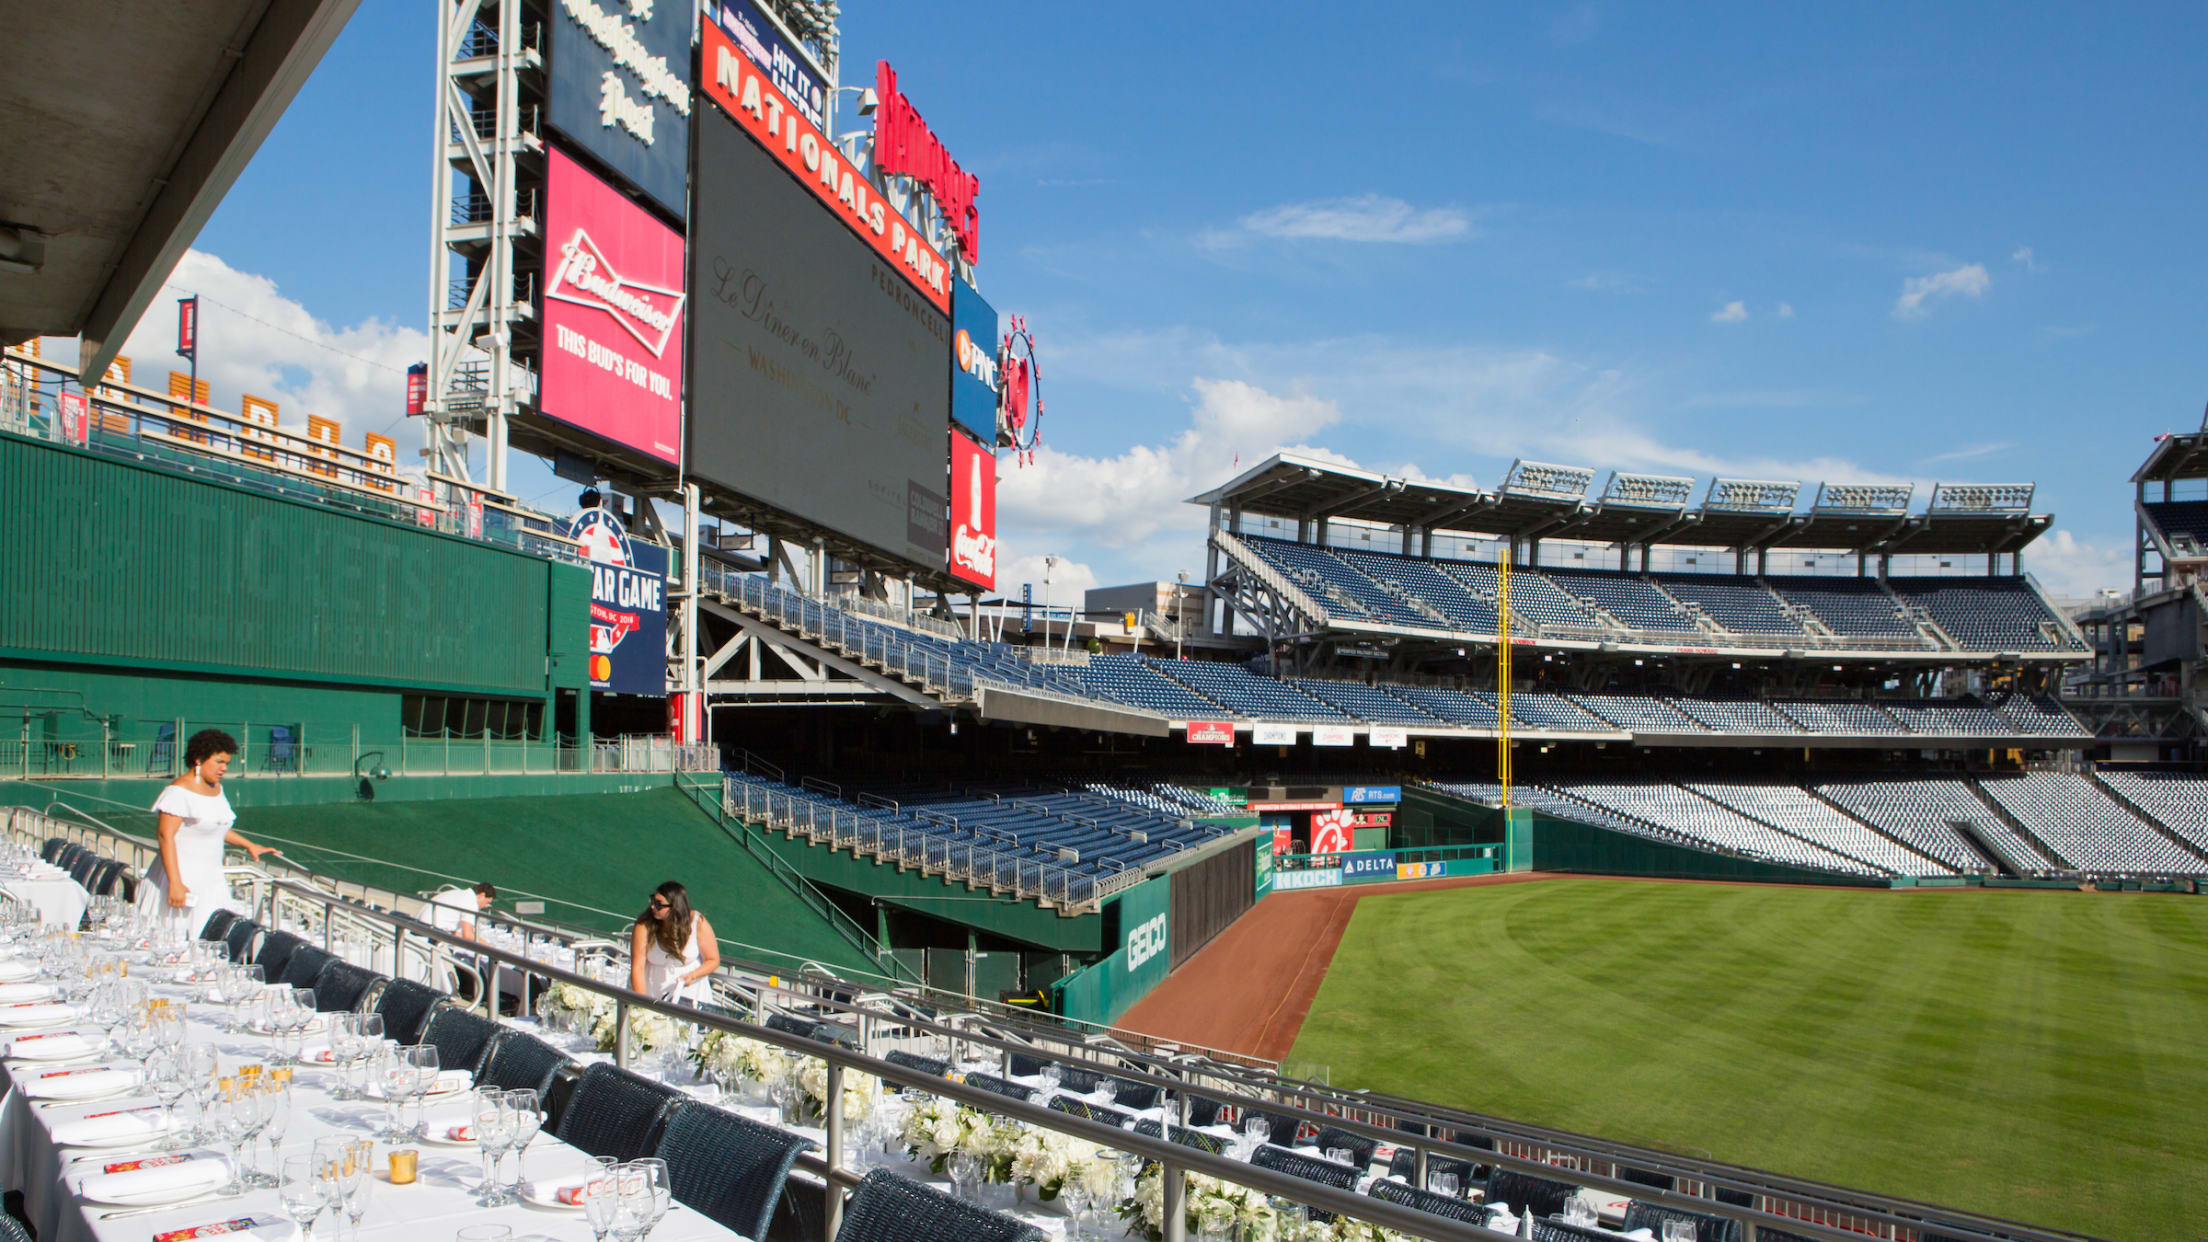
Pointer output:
x,y
341,987
1024,1064
1001,1086
729,1168
305,965
283,748
519,1060
162,754
616,1112
1707,1228
13,1230
1404,1164
1526,1193
1186,1137
460,1038
240,938
1279,1131
1332,1138
275,954
1309,1168
1092,1112
217,923
790,1025
1139,1096
1546,1230
405,1005
918,1064
1204,1110
80,867
890,1208
1430,1202
838,1034
52,849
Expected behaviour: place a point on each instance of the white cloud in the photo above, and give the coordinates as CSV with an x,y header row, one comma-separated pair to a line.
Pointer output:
x,y
1069,579
2074,568
1786,310
1969,453
1970,280
2022,257
1731,312
1364,218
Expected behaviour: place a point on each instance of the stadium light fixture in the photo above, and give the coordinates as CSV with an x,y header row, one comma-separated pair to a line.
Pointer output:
x,y
869,102
1752,496
1982,497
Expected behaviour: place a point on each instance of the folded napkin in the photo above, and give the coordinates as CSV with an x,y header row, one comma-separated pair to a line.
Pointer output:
x,y
452,1080
34,1013
264,1225
16,993
154,1177
51,1046
111,1125
317,1056
16,970
572,1195
81,1083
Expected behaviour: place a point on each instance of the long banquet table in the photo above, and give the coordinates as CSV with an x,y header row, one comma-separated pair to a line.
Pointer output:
x,y
442,1200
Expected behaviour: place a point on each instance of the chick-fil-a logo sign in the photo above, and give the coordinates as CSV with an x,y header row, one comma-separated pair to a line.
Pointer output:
x,y
613,305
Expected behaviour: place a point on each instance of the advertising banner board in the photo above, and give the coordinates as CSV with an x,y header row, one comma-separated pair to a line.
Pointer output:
x,y
74,413
974,377
1211,732
620,89
822,378
759,38
628,606
1333,735
1372,819
1388,737
973,511
1262,881
613,315
1360,795
1368,867
1420,870
1331,832
1286,881
1273,734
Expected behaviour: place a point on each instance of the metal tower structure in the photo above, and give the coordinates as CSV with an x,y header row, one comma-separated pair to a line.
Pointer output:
x,y
485,194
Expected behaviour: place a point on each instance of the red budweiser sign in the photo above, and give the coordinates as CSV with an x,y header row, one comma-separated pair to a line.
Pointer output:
x,y
903,143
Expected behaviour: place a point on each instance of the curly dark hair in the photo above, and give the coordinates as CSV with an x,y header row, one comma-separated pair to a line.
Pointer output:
x,y
206,744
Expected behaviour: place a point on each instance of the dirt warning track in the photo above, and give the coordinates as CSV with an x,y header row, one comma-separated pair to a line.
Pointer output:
x,y
1248,990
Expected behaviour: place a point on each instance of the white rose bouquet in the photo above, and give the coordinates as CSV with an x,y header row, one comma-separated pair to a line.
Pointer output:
x,y
860,1091
648,1031
724,1056
937,1129
1210,1205
565,1006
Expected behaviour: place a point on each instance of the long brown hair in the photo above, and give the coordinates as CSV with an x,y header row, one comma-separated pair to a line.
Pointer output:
x,y
673,933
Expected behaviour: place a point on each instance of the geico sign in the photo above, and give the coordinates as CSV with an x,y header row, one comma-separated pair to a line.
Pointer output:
x,y
1145,942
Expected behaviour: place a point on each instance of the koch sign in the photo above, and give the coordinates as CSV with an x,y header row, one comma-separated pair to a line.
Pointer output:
x,y
621,89
613,305
762,39
628,606
974,378
1360,795
1327,877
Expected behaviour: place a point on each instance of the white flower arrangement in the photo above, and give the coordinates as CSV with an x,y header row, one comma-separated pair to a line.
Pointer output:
x,y
568,1007
648,1031
860,1091
1215,1206
936,1129
728,1057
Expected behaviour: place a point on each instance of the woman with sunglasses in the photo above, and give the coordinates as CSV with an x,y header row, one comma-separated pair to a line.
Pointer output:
x,y
671,950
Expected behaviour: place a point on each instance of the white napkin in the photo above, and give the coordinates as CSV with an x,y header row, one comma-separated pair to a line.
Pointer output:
x,y
16,993
16,970
34,1013
111,1125
51,1046
193,1175
452,1080
76,1084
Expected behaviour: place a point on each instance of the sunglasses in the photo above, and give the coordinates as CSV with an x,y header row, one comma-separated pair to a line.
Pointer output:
x,y
657,903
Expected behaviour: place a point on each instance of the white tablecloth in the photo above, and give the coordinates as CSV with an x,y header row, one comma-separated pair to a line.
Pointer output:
x,y
59,900
442,1201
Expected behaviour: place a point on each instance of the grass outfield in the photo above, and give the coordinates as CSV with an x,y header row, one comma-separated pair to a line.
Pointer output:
x,y
2040,1056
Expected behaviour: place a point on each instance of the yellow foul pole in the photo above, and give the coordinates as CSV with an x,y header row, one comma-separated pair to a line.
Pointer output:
x,y
1502,674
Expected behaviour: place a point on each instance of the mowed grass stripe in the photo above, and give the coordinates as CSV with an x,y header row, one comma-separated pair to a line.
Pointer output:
x,y
2035,1055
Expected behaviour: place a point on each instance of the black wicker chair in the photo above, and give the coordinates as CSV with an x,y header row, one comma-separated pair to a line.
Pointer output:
x,y
1526,1193
1546,1230
13,1230
1360,1148
1024,1064
1000,1086
1151,1128
1707,1228
1647,1177
615,1112
405,1005
81,867
239,937
106,878
275,954
1309,1168
52,849
342,987
1404,1164
1279,1131
305,965
918,1064
1092,1112
460,1038
1427,1201
518,1061
889,1208
789,1025
838,1034
1204,1110
218,923
1734,1198
1138,1096
728,1167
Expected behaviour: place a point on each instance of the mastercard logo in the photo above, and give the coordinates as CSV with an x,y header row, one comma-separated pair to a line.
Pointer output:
x,y
601,668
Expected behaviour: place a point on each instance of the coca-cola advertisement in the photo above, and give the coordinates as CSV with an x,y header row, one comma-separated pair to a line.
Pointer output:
x,y
613,306
973,512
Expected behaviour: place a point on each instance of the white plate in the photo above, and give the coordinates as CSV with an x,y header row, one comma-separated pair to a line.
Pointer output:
x,y
53,1050
122,1140
545,1194
317,1056
177,1194
435,1128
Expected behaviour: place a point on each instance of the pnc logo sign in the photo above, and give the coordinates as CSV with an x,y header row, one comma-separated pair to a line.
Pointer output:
x,y
1145,942
975,360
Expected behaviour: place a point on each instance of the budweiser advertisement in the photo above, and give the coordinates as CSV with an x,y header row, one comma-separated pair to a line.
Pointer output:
x,y
613,306
973,512
744,90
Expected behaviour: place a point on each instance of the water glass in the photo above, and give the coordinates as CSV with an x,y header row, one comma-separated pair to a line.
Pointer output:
x,y
602,1196
359,1181
1678,1231
1442,1183
1255,1130
492,1120
528,1123
1577,1211
303,1191
632,1217
422,1060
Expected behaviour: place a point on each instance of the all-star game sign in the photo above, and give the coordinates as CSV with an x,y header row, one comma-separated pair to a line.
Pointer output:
x,y
628,606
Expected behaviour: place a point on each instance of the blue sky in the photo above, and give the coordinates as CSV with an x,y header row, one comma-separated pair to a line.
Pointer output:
x,y
1873,243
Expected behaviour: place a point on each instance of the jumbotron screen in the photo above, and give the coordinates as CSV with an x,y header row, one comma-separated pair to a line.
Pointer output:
x,y
820,376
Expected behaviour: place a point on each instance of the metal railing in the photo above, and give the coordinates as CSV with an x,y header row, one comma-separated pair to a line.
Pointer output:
x,y
296,749
350,922
1248,558
865,641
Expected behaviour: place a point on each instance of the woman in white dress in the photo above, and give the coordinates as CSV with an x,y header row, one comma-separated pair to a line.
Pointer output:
x,y
194,820
672,950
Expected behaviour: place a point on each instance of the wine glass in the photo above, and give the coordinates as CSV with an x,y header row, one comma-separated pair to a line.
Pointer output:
x,y
345,1044
1255,1130
232,1121
632,1217
965,1171
1052,1075
303,1191
662,1191
602,1196
492,1119
1442,1182
422,1060
1679,1231
397,1082
359,1181
528,1123
276,1120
